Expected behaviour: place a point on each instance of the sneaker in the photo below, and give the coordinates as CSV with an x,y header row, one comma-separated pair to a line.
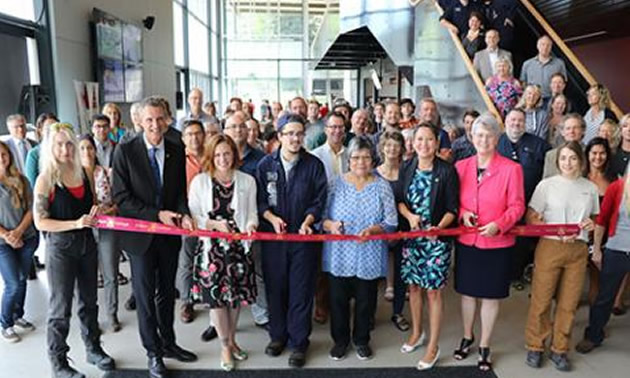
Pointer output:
x,y
338,352
533,359
24,324
114,323
560,361
364,352
585,346
9,335
130,305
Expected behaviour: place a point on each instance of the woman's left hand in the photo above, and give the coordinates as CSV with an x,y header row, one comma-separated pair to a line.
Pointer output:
x,y
489,230
434,237
251,229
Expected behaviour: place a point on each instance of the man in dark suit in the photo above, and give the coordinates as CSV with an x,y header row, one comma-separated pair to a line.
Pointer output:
x,y
150,184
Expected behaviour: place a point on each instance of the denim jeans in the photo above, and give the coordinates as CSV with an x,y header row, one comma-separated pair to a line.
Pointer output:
x,y
109,260
14,267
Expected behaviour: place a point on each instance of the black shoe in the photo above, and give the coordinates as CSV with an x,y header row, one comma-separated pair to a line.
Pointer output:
x,y
38,264
32,274
338,352
274,348
176,352
61,369
209,334
97,356
130,305
533,359
297,359
364,352
157,368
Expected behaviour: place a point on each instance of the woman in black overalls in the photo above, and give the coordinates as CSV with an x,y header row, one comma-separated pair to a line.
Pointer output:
x,y
65,211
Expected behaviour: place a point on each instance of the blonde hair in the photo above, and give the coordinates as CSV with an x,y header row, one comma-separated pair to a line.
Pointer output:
x,y
538,104
49,165
626,190
604,95
15,182
116,109
616,133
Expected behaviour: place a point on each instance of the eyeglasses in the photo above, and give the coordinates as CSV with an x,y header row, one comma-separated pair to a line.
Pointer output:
x,y
291,134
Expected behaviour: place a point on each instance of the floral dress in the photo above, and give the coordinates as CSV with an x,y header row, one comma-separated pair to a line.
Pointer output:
x,y
223,271
424,262
504,94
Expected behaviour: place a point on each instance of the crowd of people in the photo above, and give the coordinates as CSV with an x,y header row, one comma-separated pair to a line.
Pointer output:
x,y
305,170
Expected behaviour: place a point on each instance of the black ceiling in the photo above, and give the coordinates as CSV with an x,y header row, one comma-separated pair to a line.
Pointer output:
x,y
352,50
581,18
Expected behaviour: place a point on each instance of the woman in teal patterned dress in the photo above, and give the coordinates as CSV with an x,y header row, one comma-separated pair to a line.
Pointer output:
x,y
427,197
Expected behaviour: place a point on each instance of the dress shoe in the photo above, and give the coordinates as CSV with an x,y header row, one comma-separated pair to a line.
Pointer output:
x,y
585,346
157,368
209,334
187,314
97,357
297,359
176,352
274,348
130,305
406,348
61,369
428,365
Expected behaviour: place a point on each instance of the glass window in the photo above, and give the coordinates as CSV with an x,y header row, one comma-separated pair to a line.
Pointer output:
x,y
213,15
24,9
291,25
214,52
178,34
200,9
198,46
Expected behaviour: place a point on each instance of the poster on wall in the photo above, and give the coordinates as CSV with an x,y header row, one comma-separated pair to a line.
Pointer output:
x,y
133,83
88,104
132,43
118,58
108,36
113,81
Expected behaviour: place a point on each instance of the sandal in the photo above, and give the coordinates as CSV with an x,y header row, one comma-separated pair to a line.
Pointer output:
x,y
464,348
400,322
484,363
518,285
100,283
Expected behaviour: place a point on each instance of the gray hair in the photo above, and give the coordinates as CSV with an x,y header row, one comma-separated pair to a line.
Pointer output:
x,y
361,142
487,121
15,117
135,109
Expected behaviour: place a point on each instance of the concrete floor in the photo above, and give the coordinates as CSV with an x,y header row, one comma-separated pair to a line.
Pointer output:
x,y
28,357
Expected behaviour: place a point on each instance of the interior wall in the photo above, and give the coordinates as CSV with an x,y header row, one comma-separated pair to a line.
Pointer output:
x,y
607,61
13,75
72,47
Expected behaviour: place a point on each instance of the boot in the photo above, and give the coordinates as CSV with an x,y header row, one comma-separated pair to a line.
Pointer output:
x,y
97,357
61,368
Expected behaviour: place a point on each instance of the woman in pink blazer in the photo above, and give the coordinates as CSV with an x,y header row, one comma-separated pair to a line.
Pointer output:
x,y
492,198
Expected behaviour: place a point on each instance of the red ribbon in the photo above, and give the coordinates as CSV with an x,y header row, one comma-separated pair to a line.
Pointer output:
x,y
137,225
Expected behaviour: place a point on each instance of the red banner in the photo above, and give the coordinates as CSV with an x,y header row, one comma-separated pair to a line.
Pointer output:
x,y
137,225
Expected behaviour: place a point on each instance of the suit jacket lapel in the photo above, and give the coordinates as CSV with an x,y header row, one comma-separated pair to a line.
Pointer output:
x,y
143,157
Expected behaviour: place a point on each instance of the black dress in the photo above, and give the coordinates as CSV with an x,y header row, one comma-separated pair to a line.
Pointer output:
x,y
223,271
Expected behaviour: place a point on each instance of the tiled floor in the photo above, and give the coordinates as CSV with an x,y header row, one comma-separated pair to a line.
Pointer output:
x,y
28,358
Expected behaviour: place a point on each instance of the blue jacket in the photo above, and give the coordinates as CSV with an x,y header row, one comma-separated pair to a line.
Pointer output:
x,y
292,200
530,153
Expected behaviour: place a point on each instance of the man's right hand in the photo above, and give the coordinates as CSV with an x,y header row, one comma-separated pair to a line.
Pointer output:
x,y
279,226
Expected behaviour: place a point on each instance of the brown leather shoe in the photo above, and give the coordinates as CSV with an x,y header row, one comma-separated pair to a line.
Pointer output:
x,y
187,313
